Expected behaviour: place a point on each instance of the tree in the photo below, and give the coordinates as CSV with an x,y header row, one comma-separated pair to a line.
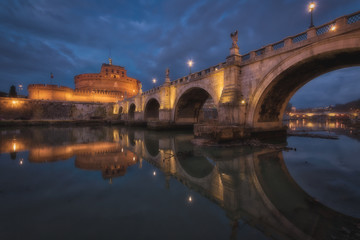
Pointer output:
x,y
12,92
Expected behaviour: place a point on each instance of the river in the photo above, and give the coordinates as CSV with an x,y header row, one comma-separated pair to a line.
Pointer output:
x,y
129,183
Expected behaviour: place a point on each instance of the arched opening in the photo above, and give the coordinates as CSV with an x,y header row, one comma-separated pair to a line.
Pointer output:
x,y
131,136
152,143
307,214
272,104
191,160
328,103
120,112
194,106
132,111
152,110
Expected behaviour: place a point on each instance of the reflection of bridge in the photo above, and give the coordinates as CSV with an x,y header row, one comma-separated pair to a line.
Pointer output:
x,y
250,185
251,91
253,186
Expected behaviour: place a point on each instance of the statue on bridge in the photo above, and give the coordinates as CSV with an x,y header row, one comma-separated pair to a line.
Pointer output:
x,y
167,77
234,37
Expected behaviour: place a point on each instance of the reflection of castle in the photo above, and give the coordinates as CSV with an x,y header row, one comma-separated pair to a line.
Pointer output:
x,y
112,162
110,85
108,157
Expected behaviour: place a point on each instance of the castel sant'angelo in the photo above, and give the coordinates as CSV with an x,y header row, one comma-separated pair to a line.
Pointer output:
x,y
110,85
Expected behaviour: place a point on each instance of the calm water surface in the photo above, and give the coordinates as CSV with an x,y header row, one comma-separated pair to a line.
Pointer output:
x,y
119,183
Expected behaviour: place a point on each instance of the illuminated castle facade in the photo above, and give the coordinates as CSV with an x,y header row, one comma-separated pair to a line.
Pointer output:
x,y
110,85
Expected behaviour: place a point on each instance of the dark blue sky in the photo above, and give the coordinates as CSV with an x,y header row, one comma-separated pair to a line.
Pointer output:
x,y
147,36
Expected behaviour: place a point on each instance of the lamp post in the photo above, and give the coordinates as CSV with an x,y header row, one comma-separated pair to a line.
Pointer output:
x,y
154,81
311,6
20,87
190,63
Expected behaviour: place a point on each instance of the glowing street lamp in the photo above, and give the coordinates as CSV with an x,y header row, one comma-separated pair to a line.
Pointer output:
x,y
311,7
154,81
190,63
20,87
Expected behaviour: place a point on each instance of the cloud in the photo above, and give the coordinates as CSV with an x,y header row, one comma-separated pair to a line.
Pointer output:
x,y
146,37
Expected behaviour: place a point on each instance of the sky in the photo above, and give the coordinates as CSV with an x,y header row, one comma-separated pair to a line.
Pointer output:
x,y
147,36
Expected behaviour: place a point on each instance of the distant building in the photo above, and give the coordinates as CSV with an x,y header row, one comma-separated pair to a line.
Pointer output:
x,y
110,85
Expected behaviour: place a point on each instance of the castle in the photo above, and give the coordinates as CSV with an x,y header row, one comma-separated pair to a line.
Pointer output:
x,y
110,85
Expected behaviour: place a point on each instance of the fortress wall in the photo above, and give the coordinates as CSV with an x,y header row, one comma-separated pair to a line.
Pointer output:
x,y
60,93
32,109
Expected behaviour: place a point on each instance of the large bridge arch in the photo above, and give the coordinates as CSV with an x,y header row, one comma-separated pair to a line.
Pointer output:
x,y
189,102
268,103
151,110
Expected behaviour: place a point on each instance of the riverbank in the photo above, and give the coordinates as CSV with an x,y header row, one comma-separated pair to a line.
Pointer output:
x,y
311,135
16,123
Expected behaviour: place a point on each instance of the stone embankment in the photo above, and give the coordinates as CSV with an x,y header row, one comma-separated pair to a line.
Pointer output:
x,y
20,111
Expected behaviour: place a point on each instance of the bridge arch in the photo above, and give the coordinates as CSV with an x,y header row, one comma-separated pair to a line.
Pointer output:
x,y
269,101
189,104
151,111
131,112
151,145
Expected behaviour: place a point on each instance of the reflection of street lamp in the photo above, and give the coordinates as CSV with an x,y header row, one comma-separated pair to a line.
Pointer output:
x,y
312,6
154,81
190,63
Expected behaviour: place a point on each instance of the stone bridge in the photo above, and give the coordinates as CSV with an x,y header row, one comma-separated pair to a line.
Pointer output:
x,y
249,92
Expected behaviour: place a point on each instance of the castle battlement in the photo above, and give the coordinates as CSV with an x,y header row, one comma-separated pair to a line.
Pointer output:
x,y
110,85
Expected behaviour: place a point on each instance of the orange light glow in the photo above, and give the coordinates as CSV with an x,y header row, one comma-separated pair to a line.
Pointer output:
x,y
333,28
312,6
190,63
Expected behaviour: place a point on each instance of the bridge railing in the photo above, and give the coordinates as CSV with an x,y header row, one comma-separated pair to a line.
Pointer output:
x,y
353,18
301,37
278,45
189,78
